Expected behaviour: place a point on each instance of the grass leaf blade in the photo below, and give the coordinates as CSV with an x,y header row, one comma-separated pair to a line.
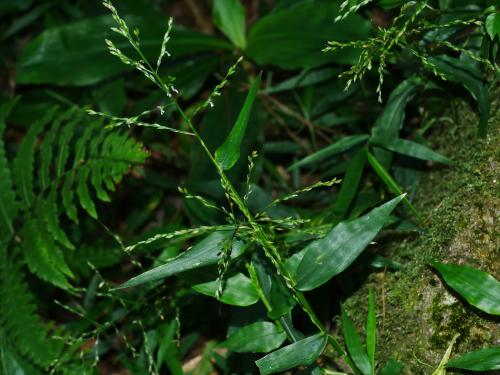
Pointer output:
x,y
332,254
229,152
354,345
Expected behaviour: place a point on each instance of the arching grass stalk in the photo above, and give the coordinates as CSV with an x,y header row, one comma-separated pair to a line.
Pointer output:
x,y
257,232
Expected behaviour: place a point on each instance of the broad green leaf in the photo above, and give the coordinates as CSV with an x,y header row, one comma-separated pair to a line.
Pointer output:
x,y
229,17
390,121
238,290
354,346
493,25
342,145
389,181
350,183
300,353
409,148
81,44
477,287
371,331
229,152
332,254
478,360
204,253
276,293
464,72
260,337
284,39
393,367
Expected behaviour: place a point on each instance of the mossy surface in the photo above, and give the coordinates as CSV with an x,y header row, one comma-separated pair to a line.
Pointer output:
x,y
417,314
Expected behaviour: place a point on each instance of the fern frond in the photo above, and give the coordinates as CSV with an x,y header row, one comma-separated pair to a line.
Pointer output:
x,y
8,204
21,326
43,256
74,156
25,159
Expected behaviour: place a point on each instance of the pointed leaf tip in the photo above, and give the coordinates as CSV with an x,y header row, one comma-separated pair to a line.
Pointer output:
x,y
229,152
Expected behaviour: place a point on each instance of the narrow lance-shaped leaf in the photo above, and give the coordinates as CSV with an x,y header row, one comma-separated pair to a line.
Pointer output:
x,y
390,121
260,337
202,254
300,353
332,254
478,360
350,183
477,287
409,148
274,289
229,17
389,181
342,145
354,345
229,152
441,369
371,331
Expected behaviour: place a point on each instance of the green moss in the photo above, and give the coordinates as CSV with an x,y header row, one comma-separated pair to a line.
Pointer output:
x,y
419,316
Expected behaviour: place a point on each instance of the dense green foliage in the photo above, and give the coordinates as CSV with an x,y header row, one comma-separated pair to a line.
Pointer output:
x,y
212,212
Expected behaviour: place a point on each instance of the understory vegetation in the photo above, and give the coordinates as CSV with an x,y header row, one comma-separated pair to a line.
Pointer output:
x,y
244,186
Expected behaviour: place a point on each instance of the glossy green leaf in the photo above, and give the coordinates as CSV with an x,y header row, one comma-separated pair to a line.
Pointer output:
x,y
238,290
204,253
301,353
493,25
409,148
388,180
371,331
229,152
350,183
467,74
229,17
354,346
277,295
342,145
332,254
478,360
282,38
260,337
81,44
393,367
477,287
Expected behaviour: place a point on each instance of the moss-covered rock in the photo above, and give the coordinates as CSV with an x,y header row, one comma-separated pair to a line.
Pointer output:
x,y
417,314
